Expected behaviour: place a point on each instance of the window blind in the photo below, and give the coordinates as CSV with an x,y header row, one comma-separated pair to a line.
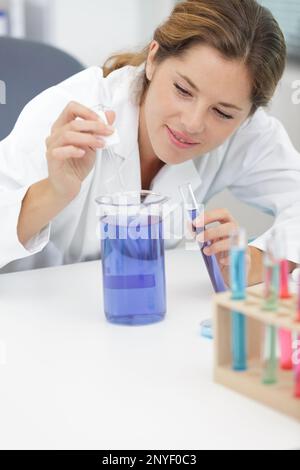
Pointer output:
x,y
287,13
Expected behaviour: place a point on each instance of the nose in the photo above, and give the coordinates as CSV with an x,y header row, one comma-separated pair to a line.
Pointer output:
x,y
193,121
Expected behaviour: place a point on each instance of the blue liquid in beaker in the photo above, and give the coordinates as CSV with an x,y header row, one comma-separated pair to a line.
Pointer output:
x,y
133,271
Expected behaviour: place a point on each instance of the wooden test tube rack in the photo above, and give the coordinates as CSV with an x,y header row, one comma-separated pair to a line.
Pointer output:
x,y
278,396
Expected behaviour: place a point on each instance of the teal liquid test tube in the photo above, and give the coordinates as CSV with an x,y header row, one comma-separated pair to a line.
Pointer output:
x,y
238,288
239,349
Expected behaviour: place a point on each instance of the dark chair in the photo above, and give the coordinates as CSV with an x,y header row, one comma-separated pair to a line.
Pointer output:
x,y
26,69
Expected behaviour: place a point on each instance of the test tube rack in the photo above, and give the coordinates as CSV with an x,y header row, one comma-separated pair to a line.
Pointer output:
x,y
278,396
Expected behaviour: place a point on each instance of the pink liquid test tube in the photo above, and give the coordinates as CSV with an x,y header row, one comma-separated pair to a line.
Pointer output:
x,y
285,336
297,352
297,370
298,300
286,349
284,292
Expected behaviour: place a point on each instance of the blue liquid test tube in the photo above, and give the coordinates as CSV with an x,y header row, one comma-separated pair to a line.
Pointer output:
x,y
238,287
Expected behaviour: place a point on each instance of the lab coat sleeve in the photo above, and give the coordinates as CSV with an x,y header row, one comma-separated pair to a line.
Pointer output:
x,y
23,155
269,177
22,163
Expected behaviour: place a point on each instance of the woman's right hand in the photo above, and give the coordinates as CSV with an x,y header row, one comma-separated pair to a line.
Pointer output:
x,y
72,145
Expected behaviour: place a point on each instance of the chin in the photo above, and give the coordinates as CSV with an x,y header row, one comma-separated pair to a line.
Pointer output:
x,y
175,159
169,161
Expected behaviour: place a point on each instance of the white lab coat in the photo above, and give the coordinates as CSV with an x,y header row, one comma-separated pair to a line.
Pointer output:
x,y
258,163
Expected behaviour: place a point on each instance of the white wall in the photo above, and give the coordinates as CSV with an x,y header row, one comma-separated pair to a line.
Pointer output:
x,y
283,107
91,30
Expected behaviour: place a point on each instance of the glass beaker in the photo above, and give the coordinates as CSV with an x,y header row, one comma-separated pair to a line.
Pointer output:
x,y
132,252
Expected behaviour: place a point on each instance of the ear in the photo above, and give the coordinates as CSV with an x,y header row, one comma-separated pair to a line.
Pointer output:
x,y
150,65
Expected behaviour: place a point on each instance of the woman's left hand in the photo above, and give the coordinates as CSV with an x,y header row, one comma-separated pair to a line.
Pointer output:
x,y
219,238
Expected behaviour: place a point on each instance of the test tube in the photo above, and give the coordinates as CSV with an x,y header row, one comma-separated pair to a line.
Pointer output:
x,y
297,358
284,279
210,262
285,336
271,270
284,292
238,244
297,368
270,360
298,299
271,275
286,349
238,288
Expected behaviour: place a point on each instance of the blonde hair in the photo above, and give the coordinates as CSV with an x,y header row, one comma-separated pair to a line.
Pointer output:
x,y
239,29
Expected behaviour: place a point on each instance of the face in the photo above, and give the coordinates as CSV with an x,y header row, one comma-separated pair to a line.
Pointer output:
x,y
193,104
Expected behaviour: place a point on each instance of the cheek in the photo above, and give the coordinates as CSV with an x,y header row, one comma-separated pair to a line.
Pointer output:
x,y
217,132
162,104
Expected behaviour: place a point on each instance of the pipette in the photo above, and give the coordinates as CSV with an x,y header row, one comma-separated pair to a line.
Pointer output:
x,y
109,142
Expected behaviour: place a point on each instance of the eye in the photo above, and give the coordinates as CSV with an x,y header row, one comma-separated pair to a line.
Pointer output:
x,y
223,115
181,90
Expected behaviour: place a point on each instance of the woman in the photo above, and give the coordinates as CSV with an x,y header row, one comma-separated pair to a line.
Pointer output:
x,y
188,107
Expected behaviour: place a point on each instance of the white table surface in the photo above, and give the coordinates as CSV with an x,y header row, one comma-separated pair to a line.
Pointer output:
x,y
71,380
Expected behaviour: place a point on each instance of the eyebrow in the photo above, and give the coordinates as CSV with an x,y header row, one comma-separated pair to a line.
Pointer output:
x,y
225,105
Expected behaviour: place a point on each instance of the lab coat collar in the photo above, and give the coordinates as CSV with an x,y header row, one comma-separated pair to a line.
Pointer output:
x,y
126,147
170,177
127,119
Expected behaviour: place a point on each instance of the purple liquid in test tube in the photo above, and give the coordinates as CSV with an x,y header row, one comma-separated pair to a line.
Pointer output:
x,y
210,262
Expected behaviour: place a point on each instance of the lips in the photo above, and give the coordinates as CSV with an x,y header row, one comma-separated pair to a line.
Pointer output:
x,y
182,137
180,140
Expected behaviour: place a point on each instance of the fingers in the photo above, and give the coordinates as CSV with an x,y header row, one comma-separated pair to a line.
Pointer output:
x,y
217,237
69,151
78,139
216,215
225,261
220,231
110,116
92,127
80,127
218,247
74,110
